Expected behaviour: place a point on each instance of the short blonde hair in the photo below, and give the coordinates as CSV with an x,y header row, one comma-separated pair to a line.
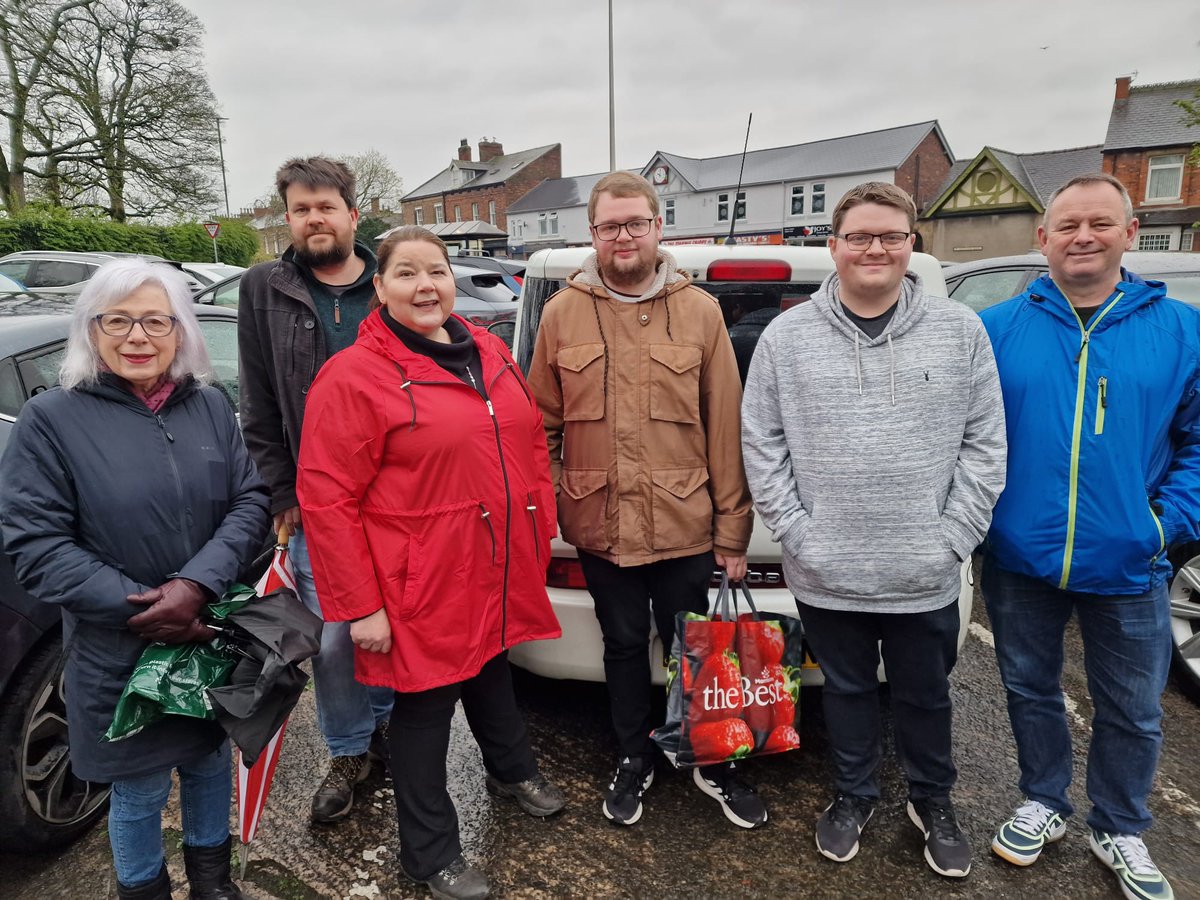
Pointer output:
x,y
880,193
622,184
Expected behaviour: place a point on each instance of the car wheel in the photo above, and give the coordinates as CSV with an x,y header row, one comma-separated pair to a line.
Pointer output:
x,y
42,804
1185,619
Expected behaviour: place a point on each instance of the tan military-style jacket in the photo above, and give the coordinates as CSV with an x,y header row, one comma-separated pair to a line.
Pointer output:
x,y
641,408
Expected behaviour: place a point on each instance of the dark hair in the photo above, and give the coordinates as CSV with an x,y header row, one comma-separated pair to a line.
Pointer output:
x,y
878,192
316,172
403,235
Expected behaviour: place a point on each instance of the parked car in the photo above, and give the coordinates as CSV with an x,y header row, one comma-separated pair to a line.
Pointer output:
x,y
42,804
222,293
207,273
66,271
511,270
752,284
985,282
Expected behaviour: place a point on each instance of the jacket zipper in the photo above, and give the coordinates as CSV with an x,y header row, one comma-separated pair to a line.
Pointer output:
x,y
184,531
1077,433
1101,403
1162,537
507,511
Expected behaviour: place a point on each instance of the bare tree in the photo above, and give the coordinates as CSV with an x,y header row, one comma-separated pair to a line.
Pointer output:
x,y
29,35
375,179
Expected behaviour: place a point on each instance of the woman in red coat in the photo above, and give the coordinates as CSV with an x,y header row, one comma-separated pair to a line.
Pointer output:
x,y
425,487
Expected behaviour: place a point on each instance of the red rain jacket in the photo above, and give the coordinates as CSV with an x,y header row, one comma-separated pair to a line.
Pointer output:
x,y
418,499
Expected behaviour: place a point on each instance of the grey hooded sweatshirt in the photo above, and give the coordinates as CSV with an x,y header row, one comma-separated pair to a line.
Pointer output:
x,y
875,462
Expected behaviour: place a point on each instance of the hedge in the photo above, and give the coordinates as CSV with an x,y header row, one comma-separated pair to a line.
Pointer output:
x,y
237,243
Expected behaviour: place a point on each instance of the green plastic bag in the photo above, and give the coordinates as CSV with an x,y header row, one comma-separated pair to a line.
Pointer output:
x,y
173,679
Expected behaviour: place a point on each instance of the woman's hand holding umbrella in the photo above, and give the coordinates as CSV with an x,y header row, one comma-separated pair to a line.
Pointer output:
x,y
372,633
174,613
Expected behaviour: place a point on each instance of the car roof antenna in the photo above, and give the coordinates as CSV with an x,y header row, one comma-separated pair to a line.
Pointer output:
x,y
741,169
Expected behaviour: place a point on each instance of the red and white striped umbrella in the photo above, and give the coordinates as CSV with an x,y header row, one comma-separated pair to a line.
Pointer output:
x,y
254,782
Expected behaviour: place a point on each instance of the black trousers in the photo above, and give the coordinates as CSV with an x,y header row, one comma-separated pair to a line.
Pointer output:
x,y
419,741
919,651
624,599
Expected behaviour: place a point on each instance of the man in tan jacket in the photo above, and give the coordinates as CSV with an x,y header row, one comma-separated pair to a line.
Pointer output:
x,y
639,389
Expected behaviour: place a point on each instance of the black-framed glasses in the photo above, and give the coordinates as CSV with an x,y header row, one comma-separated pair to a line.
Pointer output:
x,y
862,240
610,231
119,324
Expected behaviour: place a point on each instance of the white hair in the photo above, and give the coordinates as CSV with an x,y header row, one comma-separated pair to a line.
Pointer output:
x,y
112,283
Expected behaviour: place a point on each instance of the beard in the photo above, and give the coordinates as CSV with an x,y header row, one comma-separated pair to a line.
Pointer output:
x,y
338,252
628,273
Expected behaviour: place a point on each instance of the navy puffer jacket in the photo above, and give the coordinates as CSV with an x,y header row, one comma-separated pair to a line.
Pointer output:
x,y
103,498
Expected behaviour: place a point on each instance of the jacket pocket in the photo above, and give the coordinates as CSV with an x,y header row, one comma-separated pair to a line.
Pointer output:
x,y
581,370
675,383
583,508
681,509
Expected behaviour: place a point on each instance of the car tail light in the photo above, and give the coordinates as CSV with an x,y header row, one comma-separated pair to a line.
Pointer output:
x,y
565,573
749,270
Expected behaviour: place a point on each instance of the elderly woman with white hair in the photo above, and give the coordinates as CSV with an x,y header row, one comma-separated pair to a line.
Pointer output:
x,y
130,501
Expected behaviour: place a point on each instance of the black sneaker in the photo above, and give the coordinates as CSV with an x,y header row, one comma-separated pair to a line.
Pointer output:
x,y
335,797
458,881
841,824
946,847
623,802
739,801
535,795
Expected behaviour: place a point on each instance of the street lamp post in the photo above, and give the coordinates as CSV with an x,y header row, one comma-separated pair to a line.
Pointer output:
x,y
221,150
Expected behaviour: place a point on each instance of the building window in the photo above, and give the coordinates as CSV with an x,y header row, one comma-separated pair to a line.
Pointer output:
x,y
669,212
492,211
798,200
1185,240
740,212
1158,240
818,197
542,225
457,213
554,223
723,207
474,212
439,213
420,216
1165,180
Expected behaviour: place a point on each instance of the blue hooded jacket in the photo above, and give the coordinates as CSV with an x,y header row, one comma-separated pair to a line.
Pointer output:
x,y
1103,436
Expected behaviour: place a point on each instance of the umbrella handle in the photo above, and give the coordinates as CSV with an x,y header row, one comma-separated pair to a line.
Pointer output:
x,y
282,536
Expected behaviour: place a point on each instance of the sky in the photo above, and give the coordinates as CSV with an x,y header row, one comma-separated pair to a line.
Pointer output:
x,y
411,79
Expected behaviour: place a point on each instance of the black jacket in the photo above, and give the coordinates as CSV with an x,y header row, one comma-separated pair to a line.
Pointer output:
x,y
280,348
103,498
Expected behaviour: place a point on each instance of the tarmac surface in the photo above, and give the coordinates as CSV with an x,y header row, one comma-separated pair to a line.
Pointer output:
x,y
683,846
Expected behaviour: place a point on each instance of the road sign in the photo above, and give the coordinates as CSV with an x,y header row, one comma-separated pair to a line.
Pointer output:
x,y
213,229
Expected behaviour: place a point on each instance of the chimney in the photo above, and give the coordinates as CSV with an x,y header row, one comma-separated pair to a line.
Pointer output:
x,y
489,150
1123,87
464,151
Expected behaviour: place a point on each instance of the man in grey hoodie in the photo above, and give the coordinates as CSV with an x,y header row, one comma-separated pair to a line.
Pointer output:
x,y
874,445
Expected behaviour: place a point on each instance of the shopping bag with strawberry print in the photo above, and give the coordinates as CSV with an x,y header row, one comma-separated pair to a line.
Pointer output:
x,y
733,684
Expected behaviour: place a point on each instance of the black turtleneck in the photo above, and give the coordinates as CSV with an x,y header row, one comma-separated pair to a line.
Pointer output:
x,y
460,357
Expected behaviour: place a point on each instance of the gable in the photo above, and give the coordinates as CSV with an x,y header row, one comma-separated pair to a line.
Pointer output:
x,y
985,185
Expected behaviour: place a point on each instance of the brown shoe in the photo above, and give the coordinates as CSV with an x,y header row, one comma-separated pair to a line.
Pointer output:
x,y
335,797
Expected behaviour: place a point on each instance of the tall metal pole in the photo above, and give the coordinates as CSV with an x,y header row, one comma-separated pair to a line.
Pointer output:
x,y
221,149
612,114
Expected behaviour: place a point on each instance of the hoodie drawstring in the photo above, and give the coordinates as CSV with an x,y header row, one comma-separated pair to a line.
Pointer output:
x,y
600,328
892,365
857,363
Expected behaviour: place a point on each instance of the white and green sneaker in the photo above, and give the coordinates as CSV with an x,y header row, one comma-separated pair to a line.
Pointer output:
x,y
1128,857
1021,839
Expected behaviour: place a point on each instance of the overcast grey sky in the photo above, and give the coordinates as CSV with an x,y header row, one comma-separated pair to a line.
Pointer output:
x,y
297,77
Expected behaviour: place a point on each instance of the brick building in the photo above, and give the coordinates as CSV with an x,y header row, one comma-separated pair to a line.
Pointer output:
x,y
469,190
1147,148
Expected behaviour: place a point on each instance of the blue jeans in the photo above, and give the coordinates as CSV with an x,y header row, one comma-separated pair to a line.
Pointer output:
x,y
1126,653
347,712
135,814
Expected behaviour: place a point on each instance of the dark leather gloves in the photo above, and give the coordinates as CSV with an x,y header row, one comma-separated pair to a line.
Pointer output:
x,y
173,616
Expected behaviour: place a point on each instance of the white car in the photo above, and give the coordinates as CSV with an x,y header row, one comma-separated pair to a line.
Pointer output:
x,y
753,283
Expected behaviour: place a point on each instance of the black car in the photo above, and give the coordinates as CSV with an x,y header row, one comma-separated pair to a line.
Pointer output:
x,y
985,282
42,804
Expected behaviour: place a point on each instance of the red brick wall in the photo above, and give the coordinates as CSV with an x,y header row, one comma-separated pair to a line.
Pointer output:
x,y
1132,169
932,169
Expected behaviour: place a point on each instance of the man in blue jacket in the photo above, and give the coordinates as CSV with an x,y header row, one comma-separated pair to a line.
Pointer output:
x,y
1101,378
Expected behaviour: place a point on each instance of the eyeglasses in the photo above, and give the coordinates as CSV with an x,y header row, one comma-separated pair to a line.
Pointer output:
x,y
119,325
636,228
860,240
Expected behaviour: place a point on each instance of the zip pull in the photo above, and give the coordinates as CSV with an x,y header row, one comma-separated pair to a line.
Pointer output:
x,y
491,410
337,310
1103,392
484,513
163,426
1082,346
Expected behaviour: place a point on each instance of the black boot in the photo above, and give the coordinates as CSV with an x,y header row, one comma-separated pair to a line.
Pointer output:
x,y
158,889
208,872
